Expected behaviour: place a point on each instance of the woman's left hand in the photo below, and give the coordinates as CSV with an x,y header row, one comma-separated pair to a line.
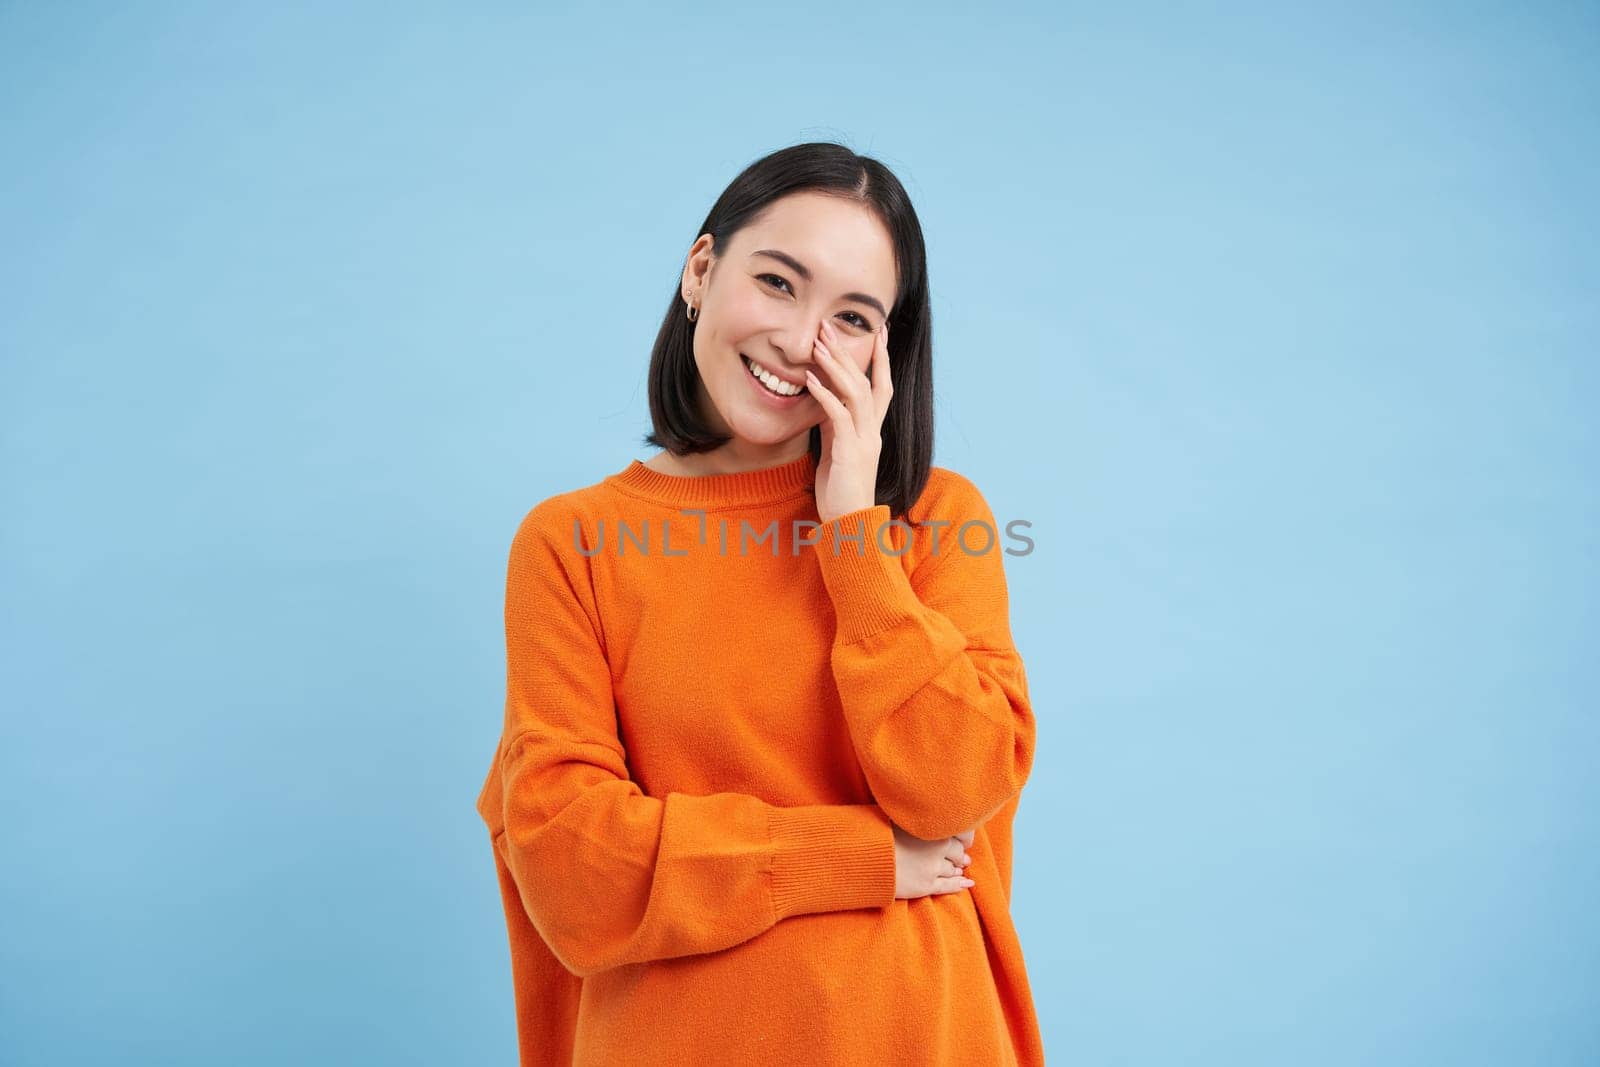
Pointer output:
x,y
847,472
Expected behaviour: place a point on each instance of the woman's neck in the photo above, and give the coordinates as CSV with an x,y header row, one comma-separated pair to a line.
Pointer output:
x,y
719,461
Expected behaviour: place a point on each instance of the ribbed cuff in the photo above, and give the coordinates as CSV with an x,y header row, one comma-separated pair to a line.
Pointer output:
x,y
865,579
830,857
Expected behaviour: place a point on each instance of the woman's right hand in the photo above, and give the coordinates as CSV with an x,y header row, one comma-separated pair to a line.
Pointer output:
x,y
923,868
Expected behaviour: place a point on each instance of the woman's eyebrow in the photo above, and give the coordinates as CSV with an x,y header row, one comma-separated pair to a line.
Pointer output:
x,y
800,269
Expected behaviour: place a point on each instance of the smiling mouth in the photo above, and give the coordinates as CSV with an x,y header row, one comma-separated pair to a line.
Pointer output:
x,y
767,380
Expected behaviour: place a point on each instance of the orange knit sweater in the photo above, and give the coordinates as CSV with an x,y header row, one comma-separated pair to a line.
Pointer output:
x,y
712,717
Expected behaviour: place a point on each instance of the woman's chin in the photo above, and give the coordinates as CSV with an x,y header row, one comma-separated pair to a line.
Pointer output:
x,y
769,428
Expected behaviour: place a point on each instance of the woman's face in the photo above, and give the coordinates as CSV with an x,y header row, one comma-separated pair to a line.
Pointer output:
x,y
756,301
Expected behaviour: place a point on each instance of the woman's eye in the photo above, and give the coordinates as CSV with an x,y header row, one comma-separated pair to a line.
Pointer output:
x,y
859,322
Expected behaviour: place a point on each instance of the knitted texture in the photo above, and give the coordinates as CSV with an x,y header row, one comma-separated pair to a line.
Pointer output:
x,y
717,707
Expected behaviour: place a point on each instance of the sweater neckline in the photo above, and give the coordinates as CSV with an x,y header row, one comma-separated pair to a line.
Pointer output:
x,y
766,485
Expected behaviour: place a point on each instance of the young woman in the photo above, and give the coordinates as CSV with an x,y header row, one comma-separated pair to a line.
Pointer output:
x,y
766,728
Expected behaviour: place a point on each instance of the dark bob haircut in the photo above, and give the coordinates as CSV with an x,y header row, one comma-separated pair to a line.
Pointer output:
x,y
907,433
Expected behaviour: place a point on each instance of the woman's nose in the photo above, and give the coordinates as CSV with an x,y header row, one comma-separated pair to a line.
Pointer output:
x,y
801,350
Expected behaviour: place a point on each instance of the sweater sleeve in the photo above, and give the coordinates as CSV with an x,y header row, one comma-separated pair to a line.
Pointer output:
x,y
611,876
932,687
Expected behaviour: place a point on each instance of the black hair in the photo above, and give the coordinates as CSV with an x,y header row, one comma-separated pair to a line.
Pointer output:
x,y
907,433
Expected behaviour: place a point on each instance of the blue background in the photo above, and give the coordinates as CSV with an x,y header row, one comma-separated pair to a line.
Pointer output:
x,y
1277,323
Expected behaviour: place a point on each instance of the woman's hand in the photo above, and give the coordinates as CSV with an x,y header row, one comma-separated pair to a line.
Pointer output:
x,y
924,868
847,472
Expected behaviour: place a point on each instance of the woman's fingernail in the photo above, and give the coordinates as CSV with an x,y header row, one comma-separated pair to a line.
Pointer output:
x,y
968,882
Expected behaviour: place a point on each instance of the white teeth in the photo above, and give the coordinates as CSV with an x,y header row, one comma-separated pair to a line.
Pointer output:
x,y
772,381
